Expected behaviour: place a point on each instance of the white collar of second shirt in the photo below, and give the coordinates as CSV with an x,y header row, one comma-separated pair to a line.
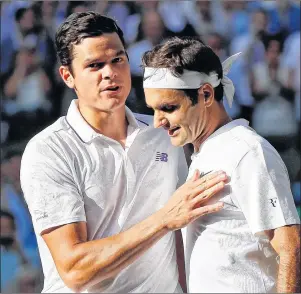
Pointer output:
x,y
85,131
227,127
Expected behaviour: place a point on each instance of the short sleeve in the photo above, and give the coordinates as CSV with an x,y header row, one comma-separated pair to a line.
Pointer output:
x,y
182,168
49,188
261,189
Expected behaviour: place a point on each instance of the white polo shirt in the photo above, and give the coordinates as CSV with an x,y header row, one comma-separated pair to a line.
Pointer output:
x,y
70,173
227,251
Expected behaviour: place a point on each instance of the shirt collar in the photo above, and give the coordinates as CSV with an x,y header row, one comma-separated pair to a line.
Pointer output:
x,y
84,130
131,118
227,127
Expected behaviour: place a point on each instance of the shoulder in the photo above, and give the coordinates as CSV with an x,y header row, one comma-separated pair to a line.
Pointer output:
x,y
254,148
46,140
238,144
47,156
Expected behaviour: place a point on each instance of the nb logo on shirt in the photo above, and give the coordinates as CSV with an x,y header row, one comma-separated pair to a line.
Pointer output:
x,y
161,156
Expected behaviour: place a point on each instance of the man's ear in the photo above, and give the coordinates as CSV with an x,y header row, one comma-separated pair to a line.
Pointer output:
x,y
206,93
67,76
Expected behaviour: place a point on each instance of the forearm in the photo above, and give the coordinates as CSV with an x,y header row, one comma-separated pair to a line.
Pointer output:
x,y
84,264
97,261
11,86
289,272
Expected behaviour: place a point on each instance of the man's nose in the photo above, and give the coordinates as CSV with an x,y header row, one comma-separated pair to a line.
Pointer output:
x,y
108,72
159,120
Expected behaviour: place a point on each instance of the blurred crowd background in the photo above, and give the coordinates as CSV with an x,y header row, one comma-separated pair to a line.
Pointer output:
x,y
266,77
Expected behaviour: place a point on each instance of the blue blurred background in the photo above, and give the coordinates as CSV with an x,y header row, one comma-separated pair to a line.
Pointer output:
x,y
266,77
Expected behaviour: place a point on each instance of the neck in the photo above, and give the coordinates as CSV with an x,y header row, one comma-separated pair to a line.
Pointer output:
x,y
217,117
110,124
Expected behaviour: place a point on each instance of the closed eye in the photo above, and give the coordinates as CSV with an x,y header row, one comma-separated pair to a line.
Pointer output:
x,y
169,108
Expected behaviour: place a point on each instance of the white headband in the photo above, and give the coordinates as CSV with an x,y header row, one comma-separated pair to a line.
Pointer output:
x,y
162,78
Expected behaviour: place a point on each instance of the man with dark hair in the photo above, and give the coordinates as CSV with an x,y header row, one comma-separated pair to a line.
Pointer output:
x,y
253,244
24,18
98,181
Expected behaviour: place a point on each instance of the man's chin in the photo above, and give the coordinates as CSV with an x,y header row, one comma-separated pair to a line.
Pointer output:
x,y
111,105
177,142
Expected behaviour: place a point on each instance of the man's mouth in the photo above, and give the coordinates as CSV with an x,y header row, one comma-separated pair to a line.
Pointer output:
x,y
172,132
112,89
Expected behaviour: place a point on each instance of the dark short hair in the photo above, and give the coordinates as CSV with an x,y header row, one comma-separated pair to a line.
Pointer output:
x,y
20,12
81,25
190,53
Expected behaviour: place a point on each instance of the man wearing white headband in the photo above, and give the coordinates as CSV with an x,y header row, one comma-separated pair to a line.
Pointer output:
x,y
253,244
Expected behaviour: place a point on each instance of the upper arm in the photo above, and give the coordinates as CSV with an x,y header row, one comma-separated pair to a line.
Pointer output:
x,y
49,188
261,188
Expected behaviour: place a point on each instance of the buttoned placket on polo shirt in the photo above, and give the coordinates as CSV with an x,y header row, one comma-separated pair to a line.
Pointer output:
x,y
132,132
130,177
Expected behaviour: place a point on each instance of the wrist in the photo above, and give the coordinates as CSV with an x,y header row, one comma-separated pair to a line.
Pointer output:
x,y
161,216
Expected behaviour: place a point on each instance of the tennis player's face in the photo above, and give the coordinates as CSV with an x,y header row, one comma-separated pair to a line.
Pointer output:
x,y
174,112
100,73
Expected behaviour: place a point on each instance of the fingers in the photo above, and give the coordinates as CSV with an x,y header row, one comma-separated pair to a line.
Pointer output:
x,y
207,194
195,176
207,177
206,210
207,185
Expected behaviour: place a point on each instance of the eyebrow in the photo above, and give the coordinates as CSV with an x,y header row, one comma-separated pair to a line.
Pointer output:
x,y
162,105
165,104
91,59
